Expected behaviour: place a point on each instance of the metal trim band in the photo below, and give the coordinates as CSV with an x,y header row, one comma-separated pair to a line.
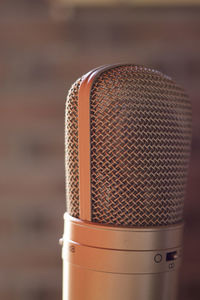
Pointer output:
x,y
122,238
121,250
84,139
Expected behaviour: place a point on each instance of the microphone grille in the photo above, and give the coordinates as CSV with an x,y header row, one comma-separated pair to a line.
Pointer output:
x,y
71,150
140,129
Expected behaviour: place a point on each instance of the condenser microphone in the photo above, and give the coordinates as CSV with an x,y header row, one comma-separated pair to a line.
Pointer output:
x,y
128,133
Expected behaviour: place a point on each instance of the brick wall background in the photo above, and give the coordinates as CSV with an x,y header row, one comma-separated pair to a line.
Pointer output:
x,y
40,57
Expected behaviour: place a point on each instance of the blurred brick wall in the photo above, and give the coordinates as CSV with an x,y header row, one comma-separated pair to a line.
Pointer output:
x,y
40,57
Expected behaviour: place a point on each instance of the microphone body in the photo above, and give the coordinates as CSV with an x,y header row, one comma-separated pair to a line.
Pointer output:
x,y
128,132
102,262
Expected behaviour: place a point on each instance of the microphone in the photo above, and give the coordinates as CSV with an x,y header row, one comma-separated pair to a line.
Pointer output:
x,y
127,148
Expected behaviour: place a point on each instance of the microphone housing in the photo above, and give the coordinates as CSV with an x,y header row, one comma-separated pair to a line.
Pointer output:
x,y
127,137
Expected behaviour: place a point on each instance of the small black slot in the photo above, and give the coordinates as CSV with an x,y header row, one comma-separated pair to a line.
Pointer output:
x,y
171,256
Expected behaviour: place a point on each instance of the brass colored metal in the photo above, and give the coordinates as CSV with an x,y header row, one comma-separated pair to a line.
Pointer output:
x,y
72,157
119,261
128,134
84,148
84,141
85,284
71,150
122,238
140,147
128,263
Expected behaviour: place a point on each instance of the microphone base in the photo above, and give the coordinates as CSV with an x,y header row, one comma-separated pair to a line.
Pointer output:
x,y
113,263
84,284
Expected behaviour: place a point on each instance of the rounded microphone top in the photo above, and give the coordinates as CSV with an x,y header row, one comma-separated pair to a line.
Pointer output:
x,y
128,134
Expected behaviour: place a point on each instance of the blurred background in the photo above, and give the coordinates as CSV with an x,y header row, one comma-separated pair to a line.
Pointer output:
x,y
44,47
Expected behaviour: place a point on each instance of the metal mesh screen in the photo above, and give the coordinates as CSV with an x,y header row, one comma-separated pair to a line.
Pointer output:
x,y
140,142
71,150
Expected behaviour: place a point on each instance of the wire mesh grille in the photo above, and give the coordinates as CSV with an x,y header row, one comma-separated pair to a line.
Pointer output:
x,y
140,142
71,150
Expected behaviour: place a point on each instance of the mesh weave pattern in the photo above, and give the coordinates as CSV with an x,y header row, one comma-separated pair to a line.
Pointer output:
x,y
71,150
140,142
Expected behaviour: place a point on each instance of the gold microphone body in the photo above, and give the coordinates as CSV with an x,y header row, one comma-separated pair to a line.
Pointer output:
x,y
105,262
128,132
